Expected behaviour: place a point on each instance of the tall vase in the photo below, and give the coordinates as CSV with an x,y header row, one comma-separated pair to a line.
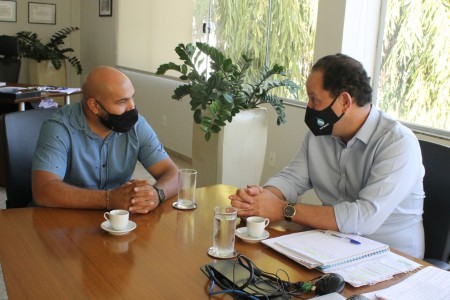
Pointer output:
x,y
236,155
44,73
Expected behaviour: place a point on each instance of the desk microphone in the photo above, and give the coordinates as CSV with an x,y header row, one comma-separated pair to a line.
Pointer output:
x,y
329,283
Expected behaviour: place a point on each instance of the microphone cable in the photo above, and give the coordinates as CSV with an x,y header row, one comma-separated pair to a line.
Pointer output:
x,y
257,282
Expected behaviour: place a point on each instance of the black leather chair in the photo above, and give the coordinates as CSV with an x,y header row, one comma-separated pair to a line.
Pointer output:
x,y
436,217
19,132
9,61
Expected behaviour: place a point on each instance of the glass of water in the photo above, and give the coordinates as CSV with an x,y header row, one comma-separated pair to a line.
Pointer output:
x,y
224,232
187,181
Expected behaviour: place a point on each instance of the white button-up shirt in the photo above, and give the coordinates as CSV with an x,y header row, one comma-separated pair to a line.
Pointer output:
x,y
374,182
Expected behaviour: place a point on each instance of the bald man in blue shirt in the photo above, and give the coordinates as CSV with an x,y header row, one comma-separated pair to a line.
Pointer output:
x,y
87,152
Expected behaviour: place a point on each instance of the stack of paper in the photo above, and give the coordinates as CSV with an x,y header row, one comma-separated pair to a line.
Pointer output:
x,y
63,90
428,283
16,92
359,260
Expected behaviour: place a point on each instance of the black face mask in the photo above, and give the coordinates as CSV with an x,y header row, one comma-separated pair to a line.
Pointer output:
x,y
321,122
119,123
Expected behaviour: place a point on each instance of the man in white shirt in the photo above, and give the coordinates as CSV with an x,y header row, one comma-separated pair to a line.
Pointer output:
x,y
365,167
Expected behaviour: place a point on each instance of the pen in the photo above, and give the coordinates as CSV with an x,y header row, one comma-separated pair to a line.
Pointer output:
x,y
353,241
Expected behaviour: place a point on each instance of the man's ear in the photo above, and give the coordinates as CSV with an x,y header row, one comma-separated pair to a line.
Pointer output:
x,y
347,101
92,105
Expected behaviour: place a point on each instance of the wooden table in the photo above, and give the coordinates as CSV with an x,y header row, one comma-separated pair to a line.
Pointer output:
x,y
49,253
21,102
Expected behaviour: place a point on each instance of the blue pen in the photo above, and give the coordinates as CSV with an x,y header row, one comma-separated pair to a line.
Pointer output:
x,y
353,241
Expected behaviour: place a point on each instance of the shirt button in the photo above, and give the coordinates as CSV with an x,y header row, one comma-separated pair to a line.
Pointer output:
x,y
104,165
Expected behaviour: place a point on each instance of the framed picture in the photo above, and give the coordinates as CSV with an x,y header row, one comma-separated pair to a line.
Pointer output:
x,y
41,13
105,8
8,11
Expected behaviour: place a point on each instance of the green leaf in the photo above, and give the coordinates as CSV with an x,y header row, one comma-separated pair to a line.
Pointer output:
x,y
228,98
32,47
215,128
198,116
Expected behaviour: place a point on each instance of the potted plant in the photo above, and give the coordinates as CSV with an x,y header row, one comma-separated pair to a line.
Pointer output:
x,y
228,96
32,47
228,89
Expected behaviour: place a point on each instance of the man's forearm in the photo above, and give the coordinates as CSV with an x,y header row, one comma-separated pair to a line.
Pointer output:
x,y
52,192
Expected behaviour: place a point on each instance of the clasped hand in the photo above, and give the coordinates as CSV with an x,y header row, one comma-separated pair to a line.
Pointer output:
x,y
254,200
137,196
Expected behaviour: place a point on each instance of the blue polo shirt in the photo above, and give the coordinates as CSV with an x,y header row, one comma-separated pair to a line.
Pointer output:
x,y
68,148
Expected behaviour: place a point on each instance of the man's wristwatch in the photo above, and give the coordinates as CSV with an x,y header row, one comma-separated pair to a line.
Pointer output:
x,y
289,211
161,194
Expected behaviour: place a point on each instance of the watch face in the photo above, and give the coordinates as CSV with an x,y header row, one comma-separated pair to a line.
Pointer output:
x,y
161,194
289,211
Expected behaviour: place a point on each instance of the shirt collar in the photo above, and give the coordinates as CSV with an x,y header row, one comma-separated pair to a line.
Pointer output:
x,y
77,117
370,125
79,121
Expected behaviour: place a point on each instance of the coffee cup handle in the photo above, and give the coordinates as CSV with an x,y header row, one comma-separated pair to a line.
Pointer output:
x,y
106,215
266,222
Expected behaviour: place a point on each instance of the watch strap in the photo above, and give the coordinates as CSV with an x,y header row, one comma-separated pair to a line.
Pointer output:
x,y
161,194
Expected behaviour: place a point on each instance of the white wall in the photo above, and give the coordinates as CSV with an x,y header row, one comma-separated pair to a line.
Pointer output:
x,y
98,45
153,100
161,33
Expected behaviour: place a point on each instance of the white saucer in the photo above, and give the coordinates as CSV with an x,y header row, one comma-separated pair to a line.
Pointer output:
x,y
107,227
213,254
175,205
242,233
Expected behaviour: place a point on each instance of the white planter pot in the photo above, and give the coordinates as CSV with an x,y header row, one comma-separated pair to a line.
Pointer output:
x,y
43,73
236,155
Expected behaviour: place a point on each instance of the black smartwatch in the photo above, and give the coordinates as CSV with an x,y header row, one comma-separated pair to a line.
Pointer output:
x,y
161,194
289,211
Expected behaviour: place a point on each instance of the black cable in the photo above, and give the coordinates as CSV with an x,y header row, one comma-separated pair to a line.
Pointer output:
x,y
256,283
283,287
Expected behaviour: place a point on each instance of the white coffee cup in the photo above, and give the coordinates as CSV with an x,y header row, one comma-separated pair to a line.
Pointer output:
x,y
256,226
118,218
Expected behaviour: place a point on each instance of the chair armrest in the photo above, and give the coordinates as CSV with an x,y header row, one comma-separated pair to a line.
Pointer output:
x,y
438,263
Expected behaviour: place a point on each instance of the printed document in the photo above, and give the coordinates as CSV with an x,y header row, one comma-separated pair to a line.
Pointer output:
x,y
361,261
428,283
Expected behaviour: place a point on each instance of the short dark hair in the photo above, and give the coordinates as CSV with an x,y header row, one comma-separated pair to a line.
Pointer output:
x,y
342,73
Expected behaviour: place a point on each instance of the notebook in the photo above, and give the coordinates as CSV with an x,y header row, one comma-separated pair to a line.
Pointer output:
x,y
332,252
326,250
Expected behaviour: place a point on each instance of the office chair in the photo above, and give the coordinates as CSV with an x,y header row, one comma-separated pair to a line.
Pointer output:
x,y
436,216
9,63
19,132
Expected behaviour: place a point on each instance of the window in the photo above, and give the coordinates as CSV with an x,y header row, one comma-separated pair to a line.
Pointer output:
x,y
414,81
270,32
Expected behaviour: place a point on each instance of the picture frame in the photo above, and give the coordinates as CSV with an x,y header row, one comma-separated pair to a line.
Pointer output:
x,y
105,8
8,11
41,13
